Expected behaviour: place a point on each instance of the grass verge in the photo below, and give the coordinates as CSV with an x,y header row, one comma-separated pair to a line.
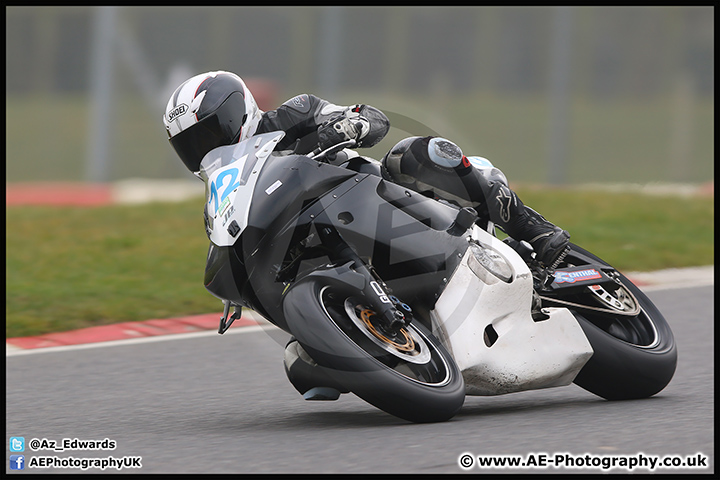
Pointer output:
x,y
70,268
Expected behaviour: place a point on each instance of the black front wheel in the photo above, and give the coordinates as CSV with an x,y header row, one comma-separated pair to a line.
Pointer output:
x,y
408,374
634,349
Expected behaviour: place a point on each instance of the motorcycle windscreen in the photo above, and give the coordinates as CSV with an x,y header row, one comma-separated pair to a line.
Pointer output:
x,y
230,174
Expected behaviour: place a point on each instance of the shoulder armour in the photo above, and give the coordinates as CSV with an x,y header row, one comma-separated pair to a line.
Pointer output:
x,y
299,103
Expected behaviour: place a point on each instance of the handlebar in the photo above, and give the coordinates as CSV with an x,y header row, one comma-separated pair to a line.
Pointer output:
x,y
323,155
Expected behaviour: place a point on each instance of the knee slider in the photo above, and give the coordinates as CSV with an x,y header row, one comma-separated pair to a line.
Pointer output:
x,y
491,179
493,175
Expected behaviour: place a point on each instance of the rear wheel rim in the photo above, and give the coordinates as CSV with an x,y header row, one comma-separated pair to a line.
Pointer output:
x,y
639,331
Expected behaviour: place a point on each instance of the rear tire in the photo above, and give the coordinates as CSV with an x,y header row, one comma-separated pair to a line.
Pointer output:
x,y
635,357
410,376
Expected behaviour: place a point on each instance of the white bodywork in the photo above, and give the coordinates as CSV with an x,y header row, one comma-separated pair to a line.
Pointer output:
x,y
526,354
225,170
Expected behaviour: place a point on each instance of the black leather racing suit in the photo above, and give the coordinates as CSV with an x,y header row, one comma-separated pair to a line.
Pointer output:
x,y
487,192
301,116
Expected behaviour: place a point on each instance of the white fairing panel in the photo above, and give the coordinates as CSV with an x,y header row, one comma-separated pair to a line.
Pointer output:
x,y
230,174
525,354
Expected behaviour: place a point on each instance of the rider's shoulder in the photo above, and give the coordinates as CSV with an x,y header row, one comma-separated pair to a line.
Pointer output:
x,y
302,103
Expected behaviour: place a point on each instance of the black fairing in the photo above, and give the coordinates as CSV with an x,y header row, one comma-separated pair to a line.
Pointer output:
x,y
226,277
399,232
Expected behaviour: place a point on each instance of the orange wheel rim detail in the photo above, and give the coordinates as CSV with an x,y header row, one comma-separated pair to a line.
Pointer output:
x,y
407,346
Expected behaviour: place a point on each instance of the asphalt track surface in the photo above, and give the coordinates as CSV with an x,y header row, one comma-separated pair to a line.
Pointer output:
x,y
205,403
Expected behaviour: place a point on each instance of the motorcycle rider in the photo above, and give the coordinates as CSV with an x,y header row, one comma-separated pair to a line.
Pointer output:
x,y
216,108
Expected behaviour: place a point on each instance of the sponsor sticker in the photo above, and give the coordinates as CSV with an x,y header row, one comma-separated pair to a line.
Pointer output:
x,y
580,275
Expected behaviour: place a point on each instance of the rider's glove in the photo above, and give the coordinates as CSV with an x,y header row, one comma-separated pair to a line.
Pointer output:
x,y
349,125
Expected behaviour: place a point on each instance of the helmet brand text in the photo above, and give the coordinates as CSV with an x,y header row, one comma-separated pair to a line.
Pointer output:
x,y
176,112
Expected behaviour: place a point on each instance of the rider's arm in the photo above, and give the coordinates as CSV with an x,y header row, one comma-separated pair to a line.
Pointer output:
x,y
301,116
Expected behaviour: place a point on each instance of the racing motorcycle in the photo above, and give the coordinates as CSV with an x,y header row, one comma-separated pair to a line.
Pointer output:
x,y
409,302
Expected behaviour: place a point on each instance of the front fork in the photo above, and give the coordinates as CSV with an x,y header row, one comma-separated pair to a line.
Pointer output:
x,y
393,313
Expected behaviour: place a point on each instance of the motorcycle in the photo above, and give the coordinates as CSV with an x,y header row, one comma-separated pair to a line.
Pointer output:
x,y
409,302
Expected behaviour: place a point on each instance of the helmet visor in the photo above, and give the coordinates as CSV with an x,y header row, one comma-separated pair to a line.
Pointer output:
x,y
222,127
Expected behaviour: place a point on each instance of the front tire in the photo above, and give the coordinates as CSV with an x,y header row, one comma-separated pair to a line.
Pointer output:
x,y
410,376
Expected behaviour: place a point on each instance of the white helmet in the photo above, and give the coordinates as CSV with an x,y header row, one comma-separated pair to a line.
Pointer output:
x,y
207,111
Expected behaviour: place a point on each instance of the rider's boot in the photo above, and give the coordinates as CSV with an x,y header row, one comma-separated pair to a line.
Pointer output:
x,y
551,243
308,377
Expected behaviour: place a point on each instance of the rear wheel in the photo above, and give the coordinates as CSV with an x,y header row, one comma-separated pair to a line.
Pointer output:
x,y
408,374
635,353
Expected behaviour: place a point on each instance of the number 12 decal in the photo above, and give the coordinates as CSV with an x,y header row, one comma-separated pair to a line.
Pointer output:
x,y
218,183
